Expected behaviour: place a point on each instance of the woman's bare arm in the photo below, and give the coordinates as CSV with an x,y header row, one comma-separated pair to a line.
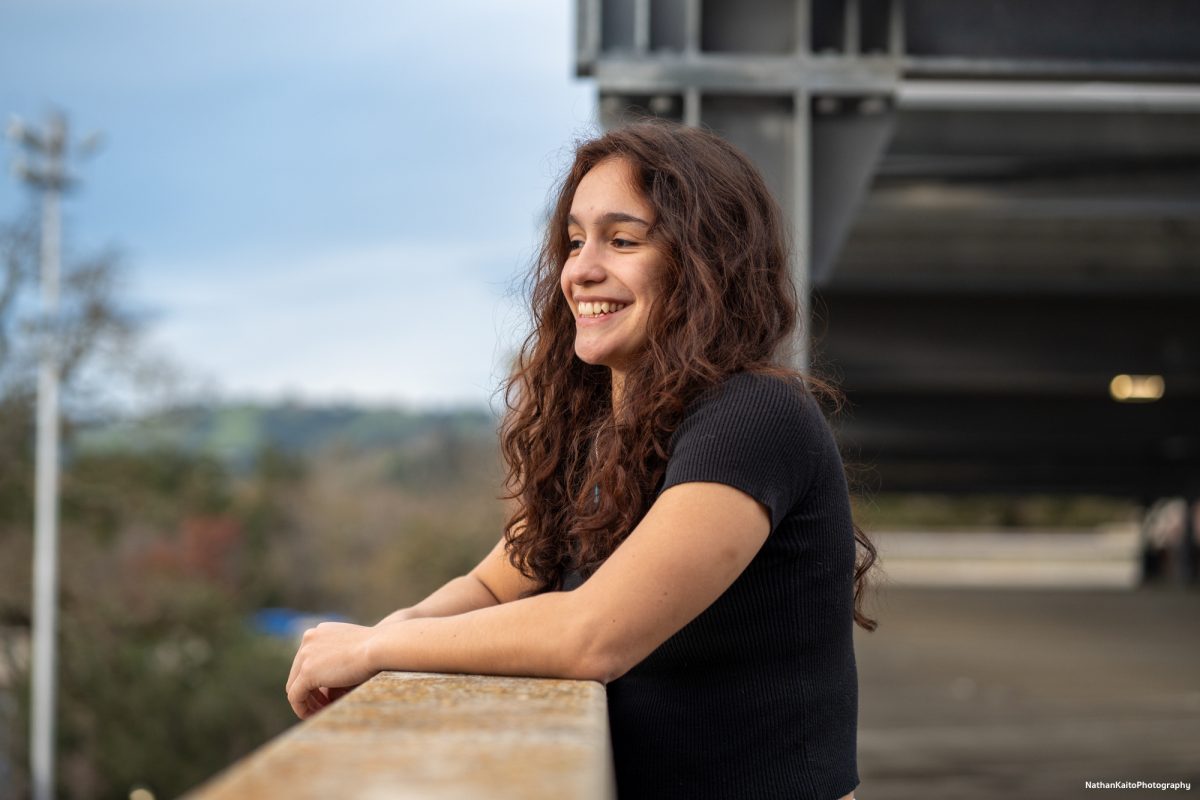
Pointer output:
x,y
492,582
458,596
690,547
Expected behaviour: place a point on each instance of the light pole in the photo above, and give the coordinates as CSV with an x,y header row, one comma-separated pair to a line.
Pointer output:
x,y
44,169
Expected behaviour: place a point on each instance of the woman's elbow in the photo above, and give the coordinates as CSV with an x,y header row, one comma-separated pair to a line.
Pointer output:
x,y
599,659
599,667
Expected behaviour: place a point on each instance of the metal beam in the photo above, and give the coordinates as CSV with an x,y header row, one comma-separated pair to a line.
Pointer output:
x,y
641,26
851,28
691,27
1047,96
587,29
748,74
1047,68
896,28
691,106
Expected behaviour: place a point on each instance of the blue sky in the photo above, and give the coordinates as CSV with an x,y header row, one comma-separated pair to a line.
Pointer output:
x,y
318,201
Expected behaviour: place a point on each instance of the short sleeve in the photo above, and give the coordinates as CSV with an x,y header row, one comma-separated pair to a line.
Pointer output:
x,y
756,433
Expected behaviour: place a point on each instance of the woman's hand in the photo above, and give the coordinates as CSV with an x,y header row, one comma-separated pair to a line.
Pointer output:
x,y
332,659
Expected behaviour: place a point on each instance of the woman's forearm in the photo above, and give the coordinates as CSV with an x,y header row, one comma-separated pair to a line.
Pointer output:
x,y
460,595
551,635
541,636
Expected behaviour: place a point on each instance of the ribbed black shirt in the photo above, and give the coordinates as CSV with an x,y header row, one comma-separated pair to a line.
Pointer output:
x,y
757,697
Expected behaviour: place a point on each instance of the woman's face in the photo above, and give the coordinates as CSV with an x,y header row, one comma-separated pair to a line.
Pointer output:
x,y
612,274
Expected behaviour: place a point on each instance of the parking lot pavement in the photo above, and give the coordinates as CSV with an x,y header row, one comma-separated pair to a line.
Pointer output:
x,y
1009,693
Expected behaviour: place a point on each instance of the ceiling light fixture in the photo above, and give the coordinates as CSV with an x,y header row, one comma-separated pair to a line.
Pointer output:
x,y
1136,388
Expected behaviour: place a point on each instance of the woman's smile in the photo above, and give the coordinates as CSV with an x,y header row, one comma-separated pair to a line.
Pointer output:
x,y
590,320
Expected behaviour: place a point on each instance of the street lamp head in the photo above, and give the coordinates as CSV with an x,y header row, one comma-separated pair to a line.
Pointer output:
x,y
44,164
22,134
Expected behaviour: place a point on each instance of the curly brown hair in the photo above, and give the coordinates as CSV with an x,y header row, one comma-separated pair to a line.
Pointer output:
x,y
727,305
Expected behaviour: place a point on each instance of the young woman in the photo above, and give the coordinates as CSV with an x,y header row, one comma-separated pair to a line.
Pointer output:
x,y
683,530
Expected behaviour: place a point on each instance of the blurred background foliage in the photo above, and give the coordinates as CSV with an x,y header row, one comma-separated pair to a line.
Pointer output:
x,y
178,526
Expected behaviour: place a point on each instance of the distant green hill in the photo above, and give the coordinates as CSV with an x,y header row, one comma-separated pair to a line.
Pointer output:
x,y
236,433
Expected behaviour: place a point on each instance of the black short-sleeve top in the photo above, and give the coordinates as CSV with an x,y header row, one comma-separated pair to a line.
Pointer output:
x,y
757,697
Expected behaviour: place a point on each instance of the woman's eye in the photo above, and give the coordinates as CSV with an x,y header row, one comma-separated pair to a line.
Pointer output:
x,y
574,244
623,243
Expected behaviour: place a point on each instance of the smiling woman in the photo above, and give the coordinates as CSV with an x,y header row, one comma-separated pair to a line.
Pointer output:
x,y
682,530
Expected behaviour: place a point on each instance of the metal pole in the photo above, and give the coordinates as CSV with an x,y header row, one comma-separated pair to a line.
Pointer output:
x,y
851,28
45,171
45,559
691,106
802,224
641,27
802,191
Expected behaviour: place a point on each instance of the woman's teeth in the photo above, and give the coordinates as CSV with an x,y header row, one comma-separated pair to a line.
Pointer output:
x,y
596,309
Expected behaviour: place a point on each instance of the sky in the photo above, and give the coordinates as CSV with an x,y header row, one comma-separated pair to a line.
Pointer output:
x,y
313,201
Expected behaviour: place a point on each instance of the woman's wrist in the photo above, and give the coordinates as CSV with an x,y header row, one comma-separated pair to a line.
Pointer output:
x,y
375,647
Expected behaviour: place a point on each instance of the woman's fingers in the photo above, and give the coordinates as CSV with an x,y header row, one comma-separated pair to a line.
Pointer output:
x,y
317,699
294,670
338,692
299,693
310,703
299,705
329,653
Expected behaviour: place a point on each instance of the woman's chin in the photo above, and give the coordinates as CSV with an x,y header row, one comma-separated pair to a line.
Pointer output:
x,y
589,351
594,359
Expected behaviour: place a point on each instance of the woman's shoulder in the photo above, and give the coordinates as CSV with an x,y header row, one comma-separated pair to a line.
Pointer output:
x,y
759,432
758,394
769,383
755,406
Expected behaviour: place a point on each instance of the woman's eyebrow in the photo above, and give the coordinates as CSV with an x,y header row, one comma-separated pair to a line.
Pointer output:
x,y
610,218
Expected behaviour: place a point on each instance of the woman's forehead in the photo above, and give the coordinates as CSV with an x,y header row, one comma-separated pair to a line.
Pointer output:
x,y
609,190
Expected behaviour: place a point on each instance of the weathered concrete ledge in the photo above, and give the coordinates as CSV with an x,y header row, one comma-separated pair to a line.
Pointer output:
x,y
410,736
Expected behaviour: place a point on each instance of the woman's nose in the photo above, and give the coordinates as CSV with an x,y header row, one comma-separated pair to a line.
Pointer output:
x,y
587,265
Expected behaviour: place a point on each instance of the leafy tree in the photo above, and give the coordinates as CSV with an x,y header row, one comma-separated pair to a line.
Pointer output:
x,y
161,680
166,550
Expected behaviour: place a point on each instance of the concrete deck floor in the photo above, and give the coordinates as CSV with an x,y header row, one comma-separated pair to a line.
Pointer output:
x,y
980,693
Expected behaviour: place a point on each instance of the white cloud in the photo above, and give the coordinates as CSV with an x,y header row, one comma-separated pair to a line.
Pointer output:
x,y
409,323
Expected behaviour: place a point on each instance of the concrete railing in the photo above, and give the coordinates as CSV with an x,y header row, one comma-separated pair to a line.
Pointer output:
x,y
405,736
1082,559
